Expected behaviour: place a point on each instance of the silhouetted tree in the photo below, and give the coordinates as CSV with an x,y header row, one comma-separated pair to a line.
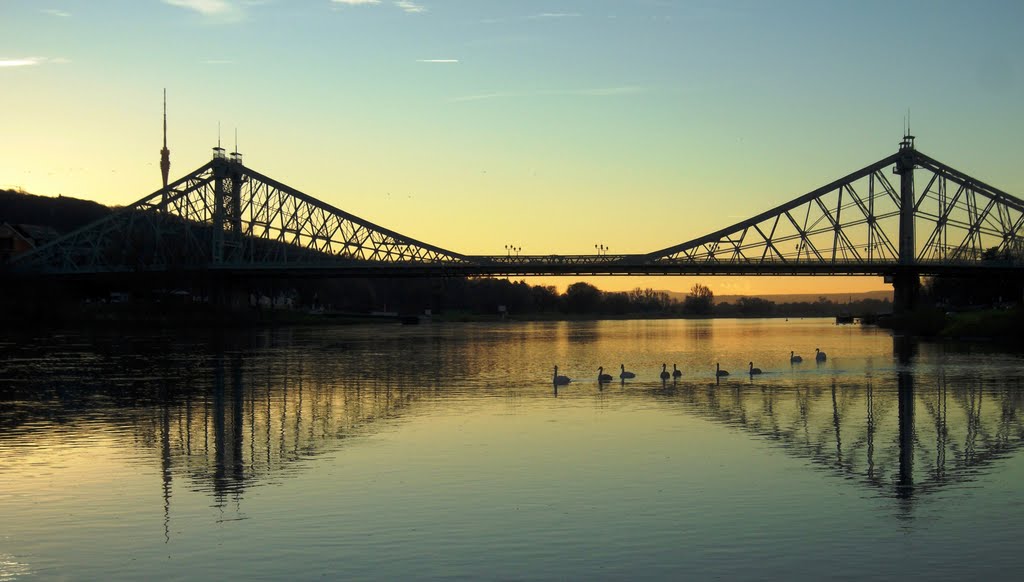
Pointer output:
x,y
582,298
983,289
617,303
755,306
545,299
700,301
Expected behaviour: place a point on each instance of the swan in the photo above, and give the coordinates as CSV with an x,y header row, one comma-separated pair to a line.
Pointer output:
x,y
794,359
602,377
560,380
664,372
819,356
676,373
719,371
754,371
624,374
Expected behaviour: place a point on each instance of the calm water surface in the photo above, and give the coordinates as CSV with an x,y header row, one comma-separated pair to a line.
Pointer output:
x,y
444,452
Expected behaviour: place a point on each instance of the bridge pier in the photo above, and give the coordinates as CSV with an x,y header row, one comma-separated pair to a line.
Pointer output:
x,y
225,292
906,291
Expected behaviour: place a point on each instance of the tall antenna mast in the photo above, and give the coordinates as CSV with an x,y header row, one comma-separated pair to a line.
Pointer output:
x,y
908,138
235,156
218,152
165,154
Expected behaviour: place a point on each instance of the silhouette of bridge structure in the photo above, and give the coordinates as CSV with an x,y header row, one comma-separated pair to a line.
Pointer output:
x,y
227,218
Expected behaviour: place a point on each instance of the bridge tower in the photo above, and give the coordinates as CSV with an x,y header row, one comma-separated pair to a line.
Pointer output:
x,y
227,206
906,280
226,227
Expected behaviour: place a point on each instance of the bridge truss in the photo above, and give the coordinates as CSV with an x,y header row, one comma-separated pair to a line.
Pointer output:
x,y
866,223
227,217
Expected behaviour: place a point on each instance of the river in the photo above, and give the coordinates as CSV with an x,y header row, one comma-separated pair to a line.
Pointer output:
x,y
444,451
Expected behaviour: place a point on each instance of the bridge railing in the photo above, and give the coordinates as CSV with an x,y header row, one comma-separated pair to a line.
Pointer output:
x,y
553,259
964,259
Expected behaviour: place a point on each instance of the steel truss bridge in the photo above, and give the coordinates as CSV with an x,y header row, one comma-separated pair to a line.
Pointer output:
x,y
904,216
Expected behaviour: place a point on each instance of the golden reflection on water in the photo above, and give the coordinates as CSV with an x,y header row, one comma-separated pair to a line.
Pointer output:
x,y
223,414
227,413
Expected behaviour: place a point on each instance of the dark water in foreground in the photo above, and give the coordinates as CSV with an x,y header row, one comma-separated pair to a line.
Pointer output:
x,y
443,451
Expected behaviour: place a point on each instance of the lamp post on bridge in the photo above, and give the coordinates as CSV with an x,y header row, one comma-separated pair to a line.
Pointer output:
x,y
512,249
602,251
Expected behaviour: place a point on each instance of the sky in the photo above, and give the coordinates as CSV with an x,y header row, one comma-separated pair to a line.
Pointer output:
x,y
552,126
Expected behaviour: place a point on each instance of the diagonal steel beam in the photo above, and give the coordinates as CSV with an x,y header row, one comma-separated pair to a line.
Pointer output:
x,y
792,205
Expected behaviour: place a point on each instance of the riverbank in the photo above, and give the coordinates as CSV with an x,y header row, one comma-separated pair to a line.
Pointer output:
x,y
991,325
982,325
203,315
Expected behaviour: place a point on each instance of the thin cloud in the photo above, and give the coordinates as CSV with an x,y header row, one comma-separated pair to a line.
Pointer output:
x,y
55,12
445,61
482,96
594,92
25,62
410,7
210,8
556,15
32,61
405,5
610,91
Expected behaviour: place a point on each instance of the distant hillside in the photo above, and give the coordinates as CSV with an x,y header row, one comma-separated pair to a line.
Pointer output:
x,y
64,214
799,297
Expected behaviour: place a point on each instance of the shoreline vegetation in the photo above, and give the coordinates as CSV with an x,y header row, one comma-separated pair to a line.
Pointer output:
x,y
246,302
980,324
987,324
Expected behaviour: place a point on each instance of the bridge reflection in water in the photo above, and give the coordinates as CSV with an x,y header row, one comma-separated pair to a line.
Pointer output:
x,y
260,419
232,418
892,432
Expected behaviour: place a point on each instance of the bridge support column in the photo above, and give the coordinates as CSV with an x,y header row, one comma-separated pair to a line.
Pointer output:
x,y
906,282
227,207
906,289
226,293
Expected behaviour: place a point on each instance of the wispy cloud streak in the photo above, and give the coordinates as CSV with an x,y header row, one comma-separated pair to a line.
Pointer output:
x,y
405,5
25,62
55,12
410,7
556,15
211,8
594,92
32,61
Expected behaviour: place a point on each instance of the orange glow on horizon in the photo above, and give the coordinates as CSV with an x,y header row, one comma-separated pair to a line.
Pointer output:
x,y
722,285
